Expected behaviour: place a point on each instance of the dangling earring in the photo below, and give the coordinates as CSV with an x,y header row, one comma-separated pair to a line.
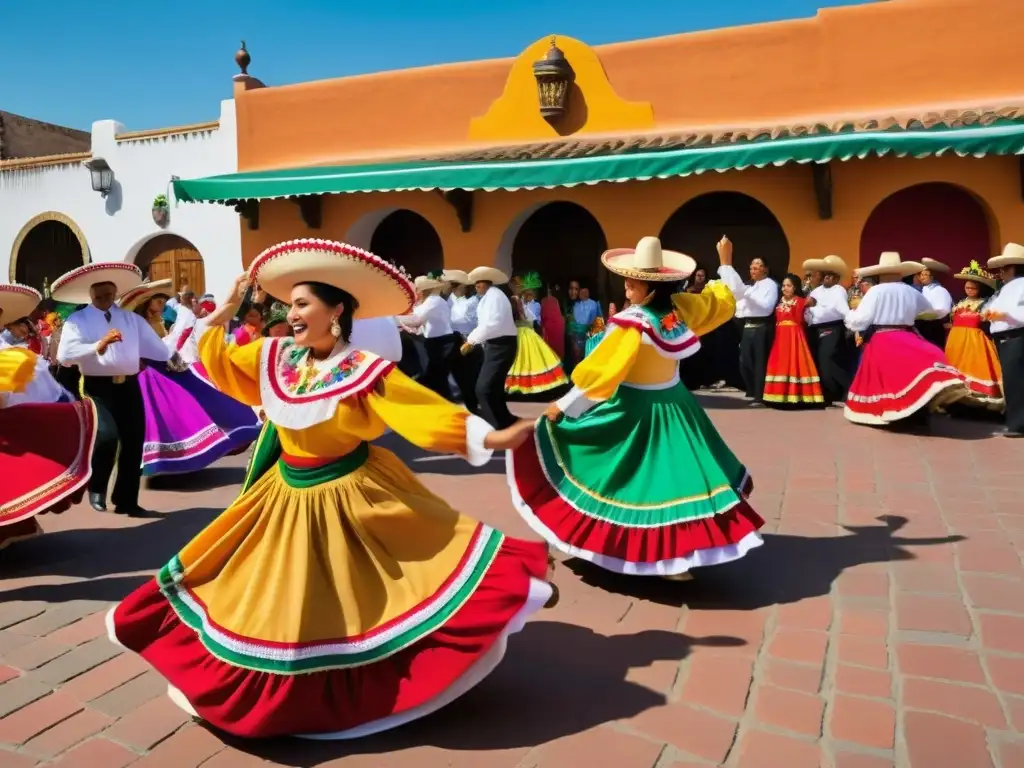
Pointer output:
x,y
335,328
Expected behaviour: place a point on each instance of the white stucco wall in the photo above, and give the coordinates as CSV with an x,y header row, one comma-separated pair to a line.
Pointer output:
x,y
116,228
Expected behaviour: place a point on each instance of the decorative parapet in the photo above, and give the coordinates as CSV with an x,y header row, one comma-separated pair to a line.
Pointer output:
x,y
168,133
45,161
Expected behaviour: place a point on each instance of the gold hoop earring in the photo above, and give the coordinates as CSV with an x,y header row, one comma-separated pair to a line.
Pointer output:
x,y
335,328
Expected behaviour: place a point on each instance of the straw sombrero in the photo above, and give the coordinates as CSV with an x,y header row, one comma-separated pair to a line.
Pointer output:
x,y
1012,255
649,262
935,266
17,301
455,276
381,288
833,264
487,275
425,283
890,263
138,296
976,274
73,287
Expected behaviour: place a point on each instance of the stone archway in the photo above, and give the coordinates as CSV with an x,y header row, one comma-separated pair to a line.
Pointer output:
x,y
562,241
170,256
937,220
697,226
49,245
410,241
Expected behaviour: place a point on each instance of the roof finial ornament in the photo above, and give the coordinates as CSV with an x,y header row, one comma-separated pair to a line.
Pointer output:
x,y
243,59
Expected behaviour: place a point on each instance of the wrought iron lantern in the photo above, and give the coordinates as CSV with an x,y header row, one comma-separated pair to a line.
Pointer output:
x,y
102,175
555,76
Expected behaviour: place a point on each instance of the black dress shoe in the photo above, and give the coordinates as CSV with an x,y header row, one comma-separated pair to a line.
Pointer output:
x,y
133,511
97,502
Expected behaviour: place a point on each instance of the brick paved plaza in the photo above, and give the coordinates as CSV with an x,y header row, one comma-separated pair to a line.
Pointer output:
x,y
882,624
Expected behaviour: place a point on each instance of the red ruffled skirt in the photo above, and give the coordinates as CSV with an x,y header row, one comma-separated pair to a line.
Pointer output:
x,y
792,377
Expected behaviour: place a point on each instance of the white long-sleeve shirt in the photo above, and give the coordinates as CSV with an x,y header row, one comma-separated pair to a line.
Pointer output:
x,y
939,299
888,304
463,316
1009,300
757,300
432,316
831,305
84,329
494,317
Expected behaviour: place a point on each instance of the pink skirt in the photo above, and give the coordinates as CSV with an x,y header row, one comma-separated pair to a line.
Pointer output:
x,y
900,373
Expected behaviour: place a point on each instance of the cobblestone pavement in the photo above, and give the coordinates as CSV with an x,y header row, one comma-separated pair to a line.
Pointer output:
x,y
881,624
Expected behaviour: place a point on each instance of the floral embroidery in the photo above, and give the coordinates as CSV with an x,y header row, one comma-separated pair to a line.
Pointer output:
x,y
301,377
669,322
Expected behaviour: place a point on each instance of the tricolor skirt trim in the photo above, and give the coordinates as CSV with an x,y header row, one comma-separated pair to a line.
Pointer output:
x,y
45,463
331,601
899,374
641,485
536,368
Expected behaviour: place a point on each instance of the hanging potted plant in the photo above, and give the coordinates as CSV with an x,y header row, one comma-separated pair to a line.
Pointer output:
x,y
161,210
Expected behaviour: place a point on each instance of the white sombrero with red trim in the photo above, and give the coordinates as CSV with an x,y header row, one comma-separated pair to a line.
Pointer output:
x,y
143,293
381,288
17,301
649,262
73,287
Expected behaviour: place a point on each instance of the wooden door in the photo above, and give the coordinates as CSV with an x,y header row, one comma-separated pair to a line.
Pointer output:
x,y
170,256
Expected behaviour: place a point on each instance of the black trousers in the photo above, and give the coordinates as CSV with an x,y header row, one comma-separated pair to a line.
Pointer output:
x,y
832,357
122,419
444,357
1011,358
70,379
414,357
932,331
755,346
499,355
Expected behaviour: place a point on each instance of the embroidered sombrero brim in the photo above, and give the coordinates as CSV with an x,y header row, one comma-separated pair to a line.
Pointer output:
x,y
989,281
675,266
73,287
380,288
140,295
17,301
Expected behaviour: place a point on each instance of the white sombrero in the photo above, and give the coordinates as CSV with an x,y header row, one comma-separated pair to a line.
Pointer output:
x,y
1012,255
136,297
17,301
73,287
487,275
455,276
935,266
976,274
649,262
890,263
381,288
833,264
425,283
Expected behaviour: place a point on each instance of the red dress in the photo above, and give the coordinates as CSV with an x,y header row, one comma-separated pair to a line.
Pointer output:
x,y
792,377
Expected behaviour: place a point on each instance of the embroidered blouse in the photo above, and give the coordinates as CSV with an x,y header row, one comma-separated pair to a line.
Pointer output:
x,y
355,396
967,313
642,349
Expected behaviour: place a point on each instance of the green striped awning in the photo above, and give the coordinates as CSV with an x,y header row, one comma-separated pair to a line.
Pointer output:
x,y
1005,137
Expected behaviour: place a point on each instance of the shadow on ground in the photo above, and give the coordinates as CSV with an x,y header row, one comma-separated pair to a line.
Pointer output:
x,y
556,680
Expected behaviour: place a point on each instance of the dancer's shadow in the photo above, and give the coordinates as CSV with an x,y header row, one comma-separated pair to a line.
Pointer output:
x,y
786,569
424,462
196,482
556,680
730,401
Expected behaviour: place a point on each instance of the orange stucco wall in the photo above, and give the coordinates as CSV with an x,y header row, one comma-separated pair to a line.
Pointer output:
x,y
628,212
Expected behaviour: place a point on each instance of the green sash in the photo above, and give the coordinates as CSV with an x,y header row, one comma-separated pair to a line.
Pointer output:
x,y
267,453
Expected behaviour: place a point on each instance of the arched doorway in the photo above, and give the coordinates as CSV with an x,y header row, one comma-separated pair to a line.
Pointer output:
x,y
935,220
174,257
410,241
47,246
563,241
699,224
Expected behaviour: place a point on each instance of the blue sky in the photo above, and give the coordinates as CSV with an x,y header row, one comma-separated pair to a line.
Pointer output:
x,y
155,64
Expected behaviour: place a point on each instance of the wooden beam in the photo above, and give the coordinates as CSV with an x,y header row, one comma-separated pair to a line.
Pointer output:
x,y
250,211
311,209
822,177
461,201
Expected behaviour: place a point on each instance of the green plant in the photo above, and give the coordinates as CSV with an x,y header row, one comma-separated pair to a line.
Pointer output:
x,y
160,201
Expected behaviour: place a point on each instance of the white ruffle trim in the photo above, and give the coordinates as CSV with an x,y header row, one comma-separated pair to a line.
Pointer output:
x,y
477,431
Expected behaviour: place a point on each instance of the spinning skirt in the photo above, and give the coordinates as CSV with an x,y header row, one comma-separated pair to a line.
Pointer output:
x,y
536,368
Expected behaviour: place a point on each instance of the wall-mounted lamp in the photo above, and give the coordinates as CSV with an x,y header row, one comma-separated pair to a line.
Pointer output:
x,y
102,175
555,76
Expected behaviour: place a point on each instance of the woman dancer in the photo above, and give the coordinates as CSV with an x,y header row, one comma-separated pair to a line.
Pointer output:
x,y
536,370
968,346
46,438
901,376
337,596
792,377
189,423
627,471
